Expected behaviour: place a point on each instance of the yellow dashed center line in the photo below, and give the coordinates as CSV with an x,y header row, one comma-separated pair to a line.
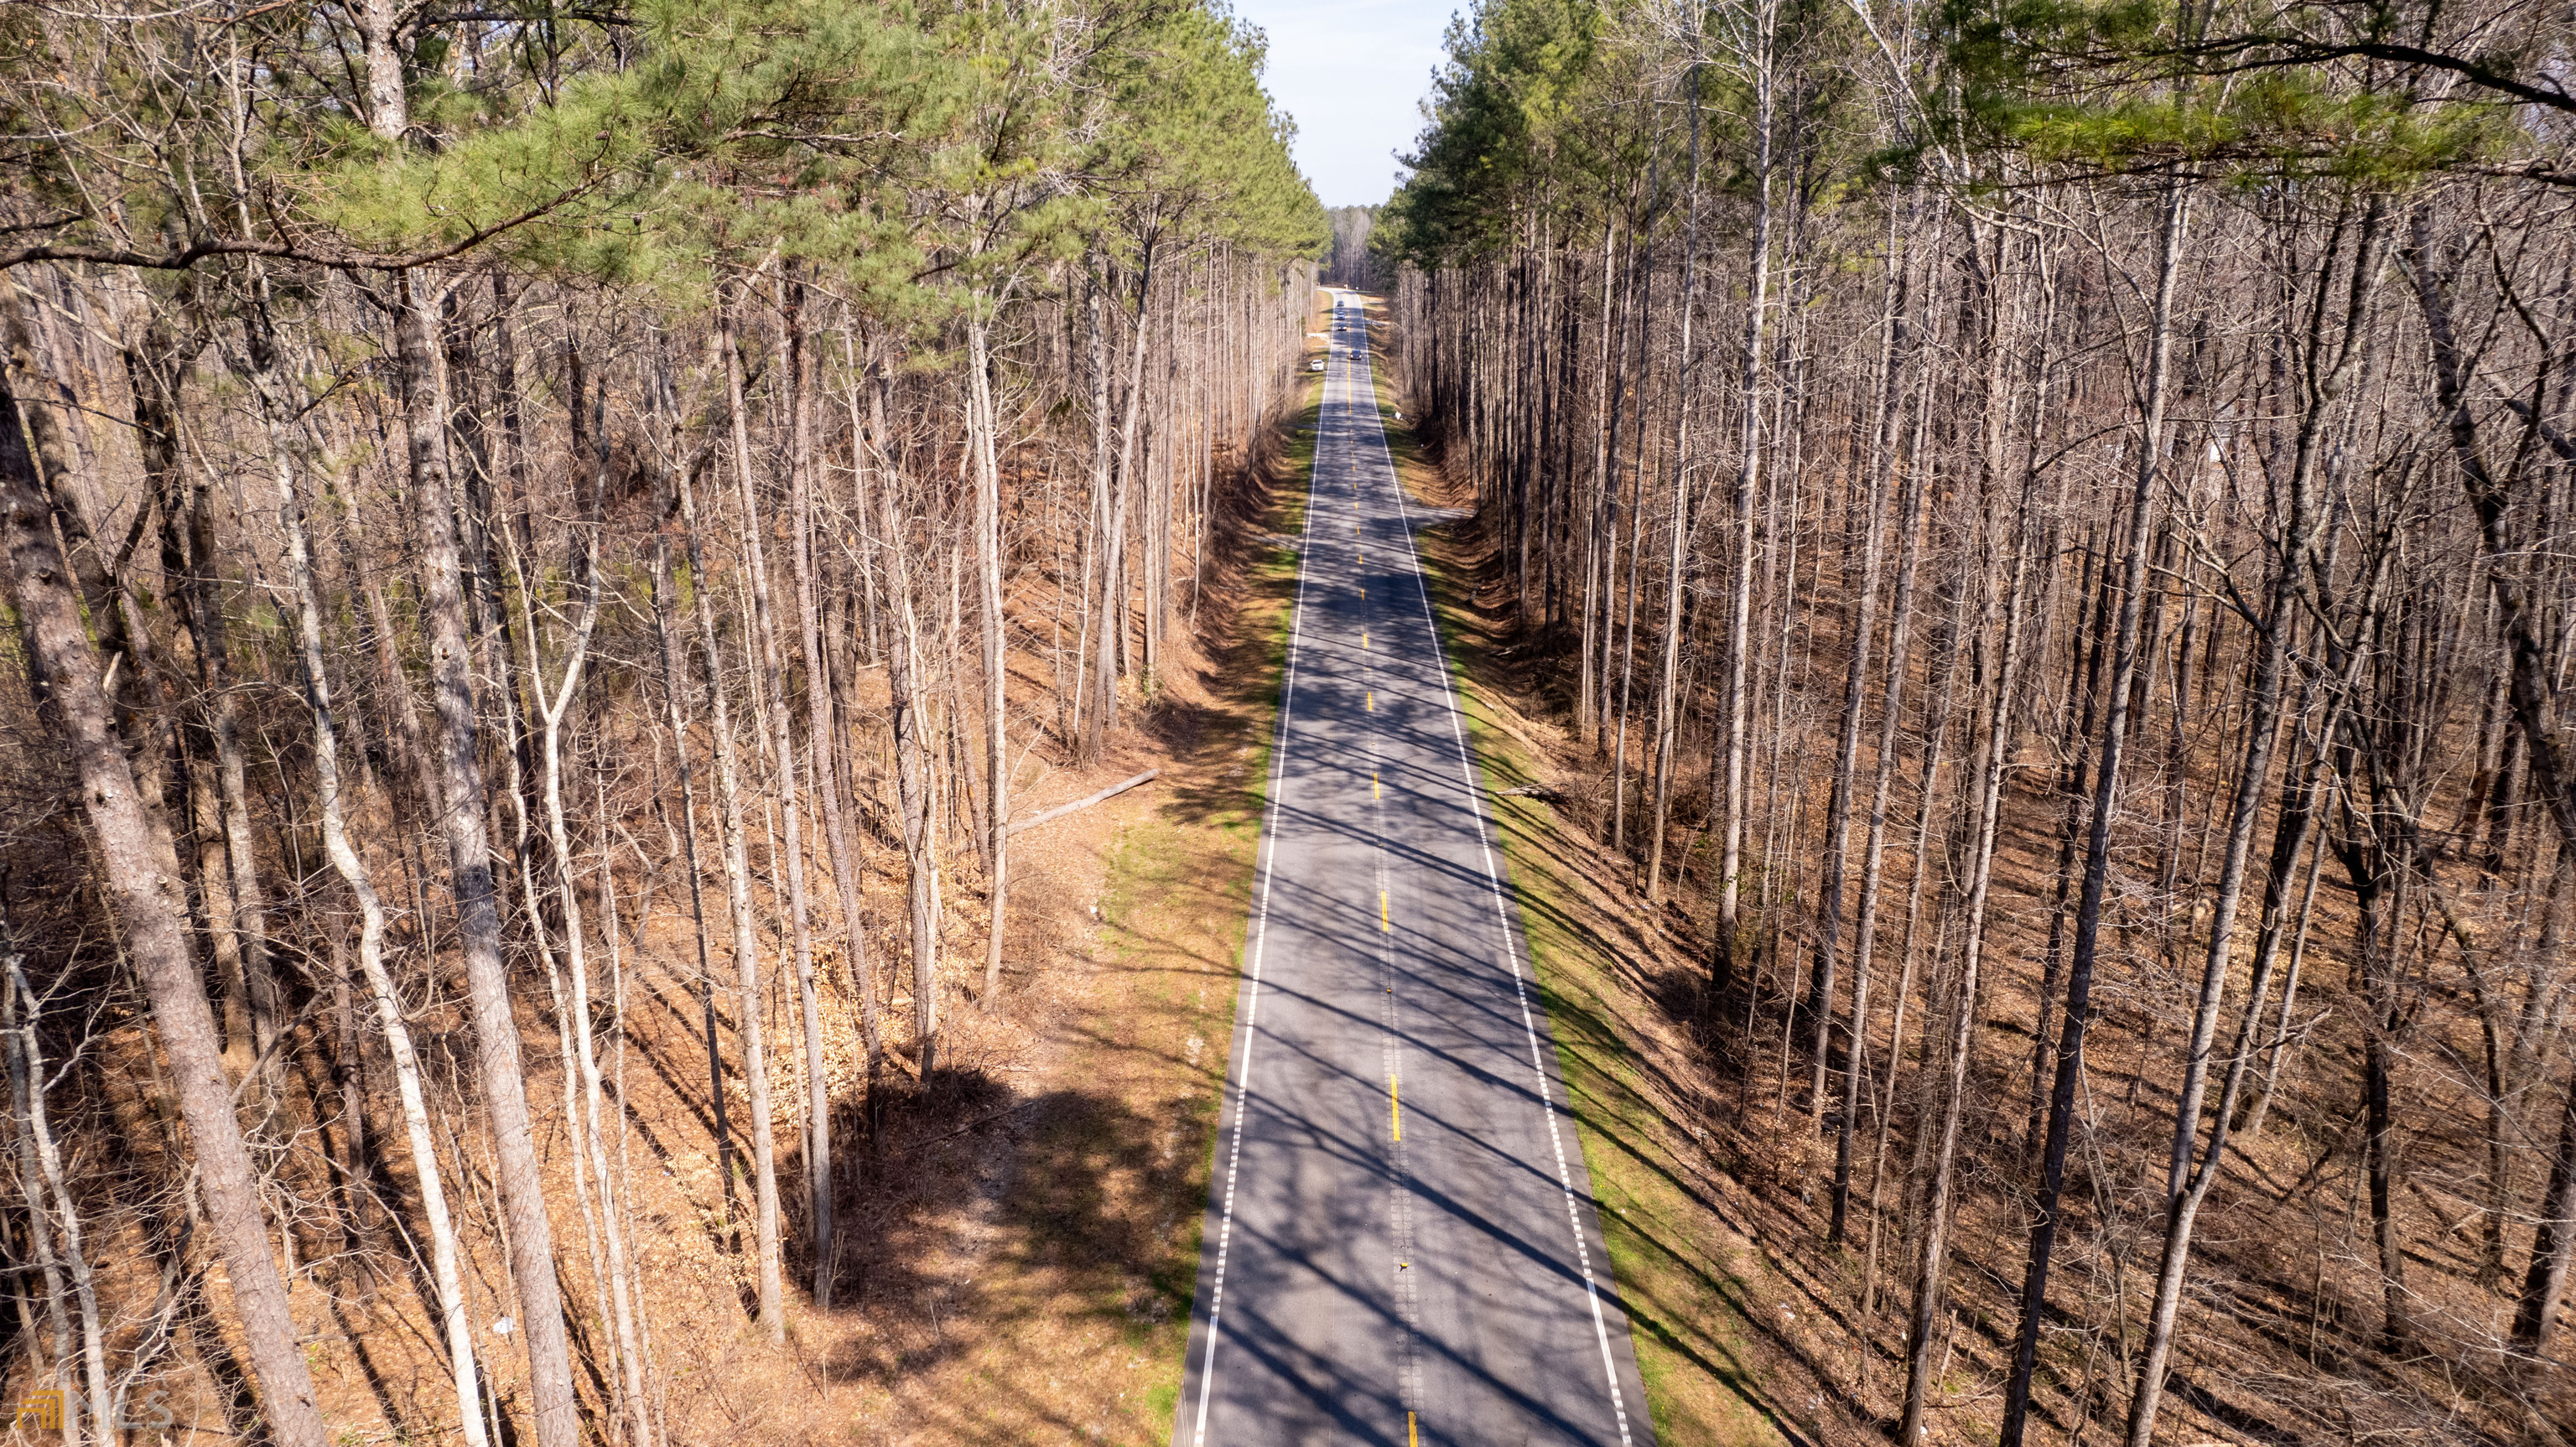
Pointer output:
x,y
1394,1110
1370,698
1363,640
1377,790
1412,1438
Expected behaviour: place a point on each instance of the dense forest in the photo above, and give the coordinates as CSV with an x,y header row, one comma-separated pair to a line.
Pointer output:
x,y
2049,525
1351,262
487,486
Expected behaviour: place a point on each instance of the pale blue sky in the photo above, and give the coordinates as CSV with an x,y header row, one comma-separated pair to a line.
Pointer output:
x,y
1353,73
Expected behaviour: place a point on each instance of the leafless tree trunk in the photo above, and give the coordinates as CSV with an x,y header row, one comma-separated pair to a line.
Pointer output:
x,y
142,883
1862,636
1739,645
981,425
912,769
746,948
773,687
684,842
27,1060
1994,754
2330,368
2530,688
551,710
1676,572
352,868
2175,207
23,1083
1910,511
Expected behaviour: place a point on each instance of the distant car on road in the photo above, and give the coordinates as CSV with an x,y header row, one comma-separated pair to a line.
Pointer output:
x,y
1316,365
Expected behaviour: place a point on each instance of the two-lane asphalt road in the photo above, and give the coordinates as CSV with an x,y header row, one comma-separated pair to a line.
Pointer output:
x,y
1400,1247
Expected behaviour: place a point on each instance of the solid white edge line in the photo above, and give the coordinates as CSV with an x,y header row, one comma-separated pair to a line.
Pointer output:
x,y
1502,918
1260,932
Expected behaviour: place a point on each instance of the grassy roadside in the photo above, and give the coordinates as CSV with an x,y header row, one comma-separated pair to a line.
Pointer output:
x,y
1692,1283
1189,869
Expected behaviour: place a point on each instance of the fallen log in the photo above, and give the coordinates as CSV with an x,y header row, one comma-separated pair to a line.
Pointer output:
x,y
1078,805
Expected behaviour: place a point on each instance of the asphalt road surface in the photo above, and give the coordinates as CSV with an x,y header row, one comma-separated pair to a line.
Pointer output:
x,y
1401,1246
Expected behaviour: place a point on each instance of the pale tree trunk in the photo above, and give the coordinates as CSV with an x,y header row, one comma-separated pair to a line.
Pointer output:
x,y
912,783
1115,654
249,914
28,1060
773,685
462,798
1624,635
523,858
1100,550
1676,563
1604,497
1162,458
685,840
1891,710
550,716
40,1234
1863,637
826,788
352,869
1944,695
1137,445
746,946
140,870
825,729
2188,1182
522,1180
2114,741
981,424
652,1422
636,1328
1933,1261
1748,475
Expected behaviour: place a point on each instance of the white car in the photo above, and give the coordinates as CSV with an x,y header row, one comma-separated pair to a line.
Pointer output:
x,y
1316,365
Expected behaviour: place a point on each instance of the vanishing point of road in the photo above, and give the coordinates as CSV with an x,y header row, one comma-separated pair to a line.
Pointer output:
x,y
1401,1246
